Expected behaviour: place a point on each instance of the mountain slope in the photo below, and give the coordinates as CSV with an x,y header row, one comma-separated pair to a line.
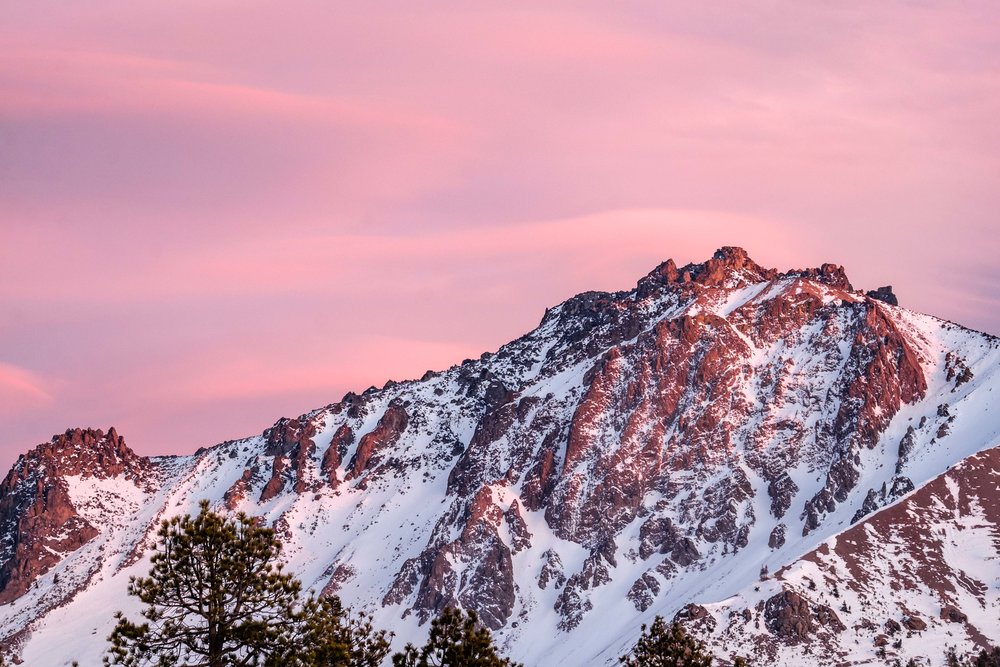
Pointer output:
x,y
904,583
636,452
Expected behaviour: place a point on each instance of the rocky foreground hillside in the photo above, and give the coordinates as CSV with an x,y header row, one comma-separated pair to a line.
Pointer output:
x,y
718,443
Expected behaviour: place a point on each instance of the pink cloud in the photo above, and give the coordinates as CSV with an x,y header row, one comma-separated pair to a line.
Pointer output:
x,y
219,374
21,390
258,208
332,263
81,82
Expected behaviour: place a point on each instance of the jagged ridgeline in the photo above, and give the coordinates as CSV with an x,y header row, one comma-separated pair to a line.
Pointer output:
x,y
716,445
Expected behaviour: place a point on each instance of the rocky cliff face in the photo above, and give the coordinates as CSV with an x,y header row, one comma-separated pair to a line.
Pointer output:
x,y
636,452
39,523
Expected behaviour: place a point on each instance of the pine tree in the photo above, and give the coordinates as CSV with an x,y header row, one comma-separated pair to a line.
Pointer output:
x,y
216,596
989,658
454,641
660,646
331,636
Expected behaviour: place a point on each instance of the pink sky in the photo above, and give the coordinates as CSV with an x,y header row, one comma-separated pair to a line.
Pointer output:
x,y
214,214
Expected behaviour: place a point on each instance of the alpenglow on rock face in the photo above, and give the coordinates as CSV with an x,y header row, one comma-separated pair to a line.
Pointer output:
x,y
639,453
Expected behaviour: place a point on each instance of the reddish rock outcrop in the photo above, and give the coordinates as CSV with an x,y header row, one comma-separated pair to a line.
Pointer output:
x,y
953,614
552,571
519,534
475,466
644,591
237,493
794,619
485,579
884,294
573,602
340,574
388,430
729,266
696,618
541,477
343,438
38,521
290,443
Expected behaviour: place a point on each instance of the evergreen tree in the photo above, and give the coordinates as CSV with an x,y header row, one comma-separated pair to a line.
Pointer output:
x,y
454,641
216,596
660,646
331,636
989,658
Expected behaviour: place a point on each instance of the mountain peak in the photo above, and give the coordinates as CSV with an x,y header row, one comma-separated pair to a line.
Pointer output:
x,y
653,452
732,267
82,451
732,255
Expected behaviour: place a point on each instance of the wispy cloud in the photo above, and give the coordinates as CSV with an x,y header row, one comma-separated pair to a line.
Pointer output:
x,y
21,390
65,82
195,197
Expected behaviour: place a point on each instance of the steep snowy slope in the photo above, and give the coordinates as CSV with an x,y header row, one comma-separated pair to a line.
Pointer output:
x,y
903,584
637,452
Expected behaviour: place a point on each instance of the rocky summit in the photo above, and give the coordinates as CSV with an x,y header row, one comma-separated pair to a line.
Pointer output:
x,y
799,471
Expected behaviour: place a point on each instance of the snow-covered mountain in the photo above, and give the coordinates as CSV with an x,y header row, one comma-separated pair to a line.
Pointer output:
x,y
639,453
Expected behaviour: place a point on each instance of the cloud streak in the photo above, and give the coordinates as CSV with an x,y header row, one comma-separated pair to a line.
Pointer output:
x,y
21,391
212,215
